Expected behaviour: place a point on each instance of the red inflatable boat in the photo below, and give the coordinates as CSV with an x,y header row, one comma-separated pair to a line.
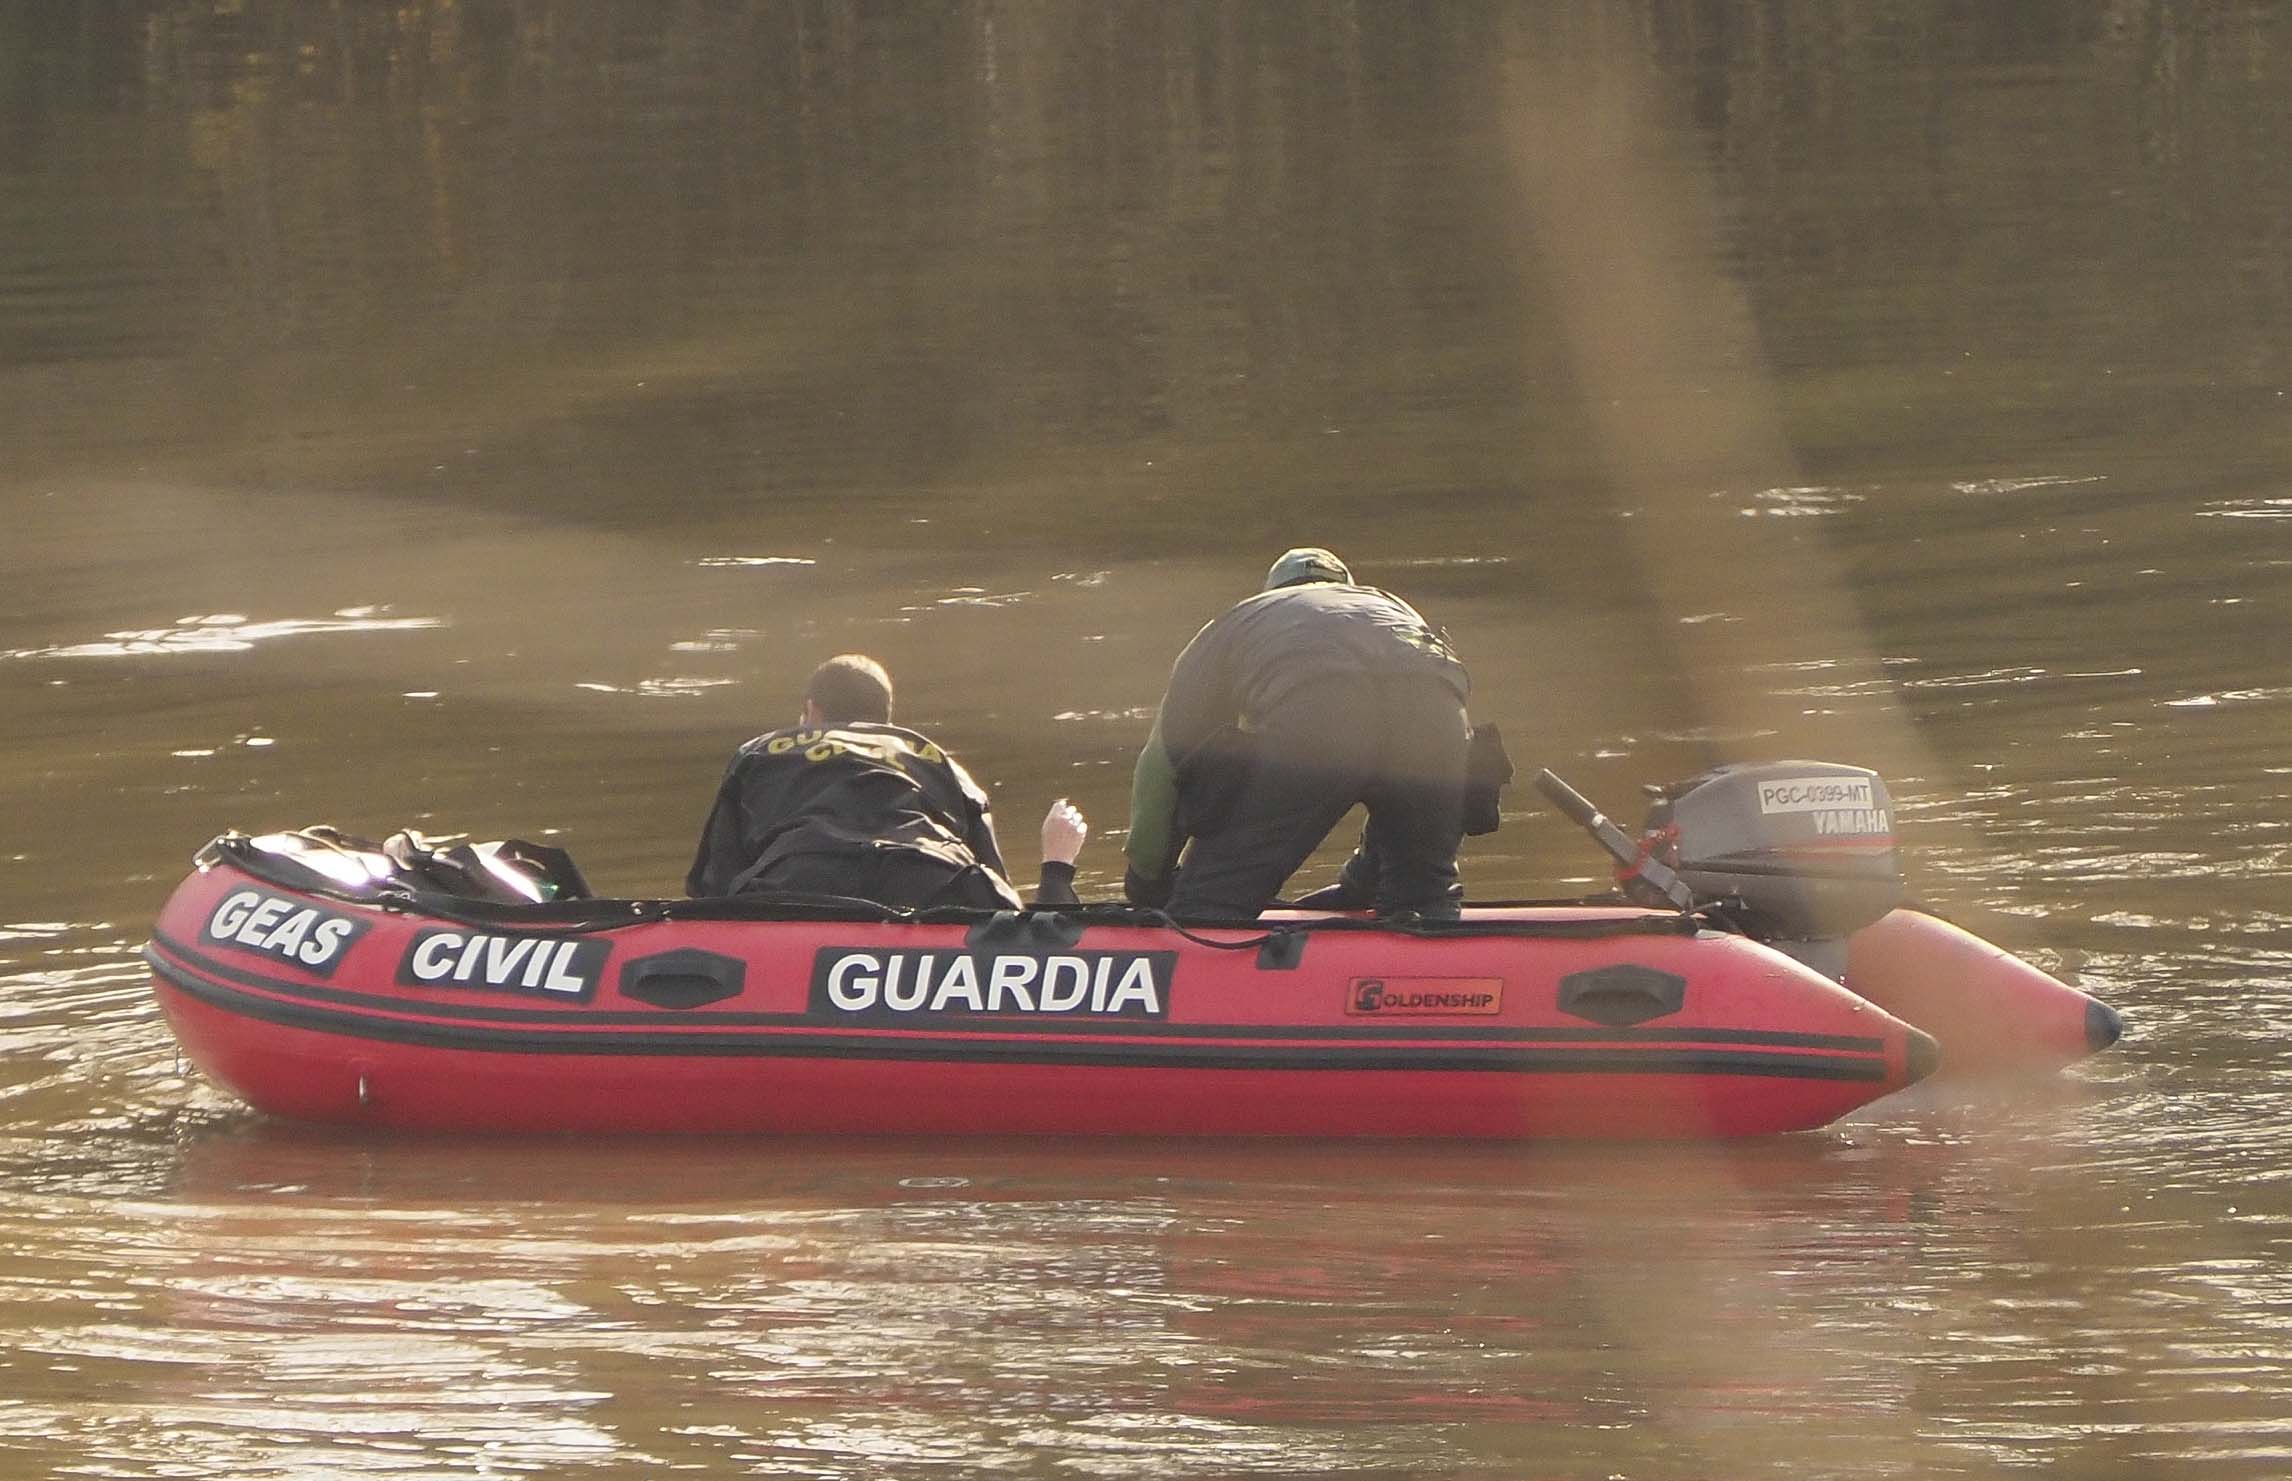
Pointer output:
x,y
342,984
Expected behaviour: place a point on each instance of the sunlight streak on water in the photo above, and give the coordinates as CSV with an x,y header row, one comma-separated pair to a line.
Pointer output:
x,y
2229,696
680,687
224,633
1800,503
2023,485
2248,509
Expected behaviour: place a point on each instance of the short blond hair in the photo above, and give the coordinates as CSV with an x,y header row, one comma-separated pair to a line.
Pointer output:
x,y
848,687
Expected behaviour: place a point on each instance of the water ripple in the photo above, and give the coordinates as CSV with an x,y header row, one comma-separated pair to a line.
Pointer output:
x,y
2247,509
2023,485
975,596
679,687
2229,697
1800,503
225,632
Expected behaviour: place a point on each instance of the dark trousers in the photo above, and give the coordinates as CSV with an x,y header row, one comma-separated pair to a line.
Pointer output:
x,y
1394,742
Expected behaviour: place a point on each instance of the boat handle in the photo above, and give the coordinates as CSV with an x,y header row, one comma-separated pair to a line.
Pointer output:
x,y
1622,995
1039,928
686,978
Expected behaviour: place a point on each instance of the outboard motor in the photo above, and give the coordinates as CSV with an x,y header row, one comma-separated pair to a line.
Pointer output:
x,y
1800,854
1797,854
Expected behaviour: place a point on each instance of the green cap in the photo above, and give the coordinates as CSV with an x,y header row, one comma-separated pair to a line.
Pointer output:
x,y
1305,563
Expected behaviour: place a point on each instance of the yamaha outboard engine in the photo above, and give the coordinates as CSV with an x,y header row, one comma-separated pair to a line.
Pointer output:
x,y
1800,854
1797,854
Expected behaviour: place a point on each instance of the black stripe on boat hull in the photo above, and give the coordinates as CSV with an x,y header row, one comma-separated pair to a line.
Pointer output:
x,y
217,974
1136,1053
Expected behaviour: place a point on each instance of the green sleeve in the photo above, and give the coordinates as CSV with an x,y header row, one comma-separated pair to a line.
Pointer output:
x,y
1153,848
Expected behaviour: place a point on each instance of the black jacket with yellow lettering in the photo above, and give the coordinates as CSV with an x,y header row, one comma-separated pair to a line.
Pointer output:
x,y
840,789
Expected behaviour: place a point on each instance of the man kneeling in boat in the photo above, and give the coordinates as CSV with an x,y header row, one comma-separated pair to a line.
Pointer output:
x,y
1313,695
847,803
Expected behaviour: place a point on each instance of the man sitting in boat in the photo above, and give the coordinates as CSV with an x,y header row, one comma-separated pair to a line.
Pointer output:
x,y
1313,695
846,803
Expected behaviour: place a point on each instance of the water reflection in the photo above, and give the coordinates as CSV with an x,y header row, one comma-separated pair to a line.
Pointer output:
x,y
2019,485
1666,1310
2230,696
683,686
2248,509
225,632
1800,503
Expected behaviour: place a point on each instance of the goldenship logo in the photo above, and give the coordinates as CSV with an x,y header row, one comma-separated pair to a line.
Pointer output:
x,y
1386,997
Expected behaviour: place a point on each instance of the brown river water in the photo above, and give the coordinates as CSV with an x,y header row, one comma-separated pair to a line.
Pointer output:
x,y
479,416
